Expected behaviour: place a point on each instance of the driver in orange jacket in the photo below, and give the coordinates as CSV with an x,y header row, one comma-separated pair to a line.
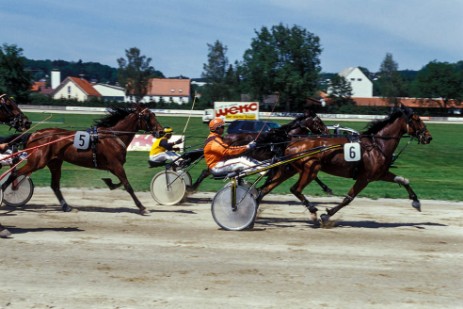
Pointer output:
x,y
222,158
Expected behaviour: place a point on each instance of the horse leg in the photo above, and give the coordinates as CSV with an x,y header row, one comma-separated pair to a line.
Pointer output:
x,y
358,186
110,184
391,177
306,175
119,172
204,174
324,187
55,169
4,233
279,175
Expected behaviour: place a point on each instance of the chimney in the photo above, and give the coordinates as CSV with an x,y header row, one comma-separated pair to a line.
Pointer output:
x,y
55,79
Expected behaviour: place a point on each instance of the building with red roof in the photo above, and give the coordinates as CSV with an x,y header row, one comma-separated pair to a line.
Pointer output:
x,y
75,88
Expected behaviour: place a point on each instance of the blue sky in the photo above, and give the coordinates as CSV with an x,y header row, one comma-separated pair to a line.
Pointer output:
x,y
175,33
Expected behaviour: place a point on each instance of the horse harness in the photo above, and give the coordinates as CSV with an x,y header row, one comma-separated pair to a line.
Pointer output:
x,y
93,131
94,139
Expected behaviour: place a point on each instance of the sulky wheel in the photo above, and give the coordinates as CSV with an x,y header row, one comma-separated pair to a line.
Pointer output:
x,y
234,211
186,177
168,188
19,192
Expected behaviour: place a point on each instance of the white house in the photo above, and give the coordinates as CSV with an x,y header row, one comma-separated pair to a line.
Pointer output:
x,y
111,92
362,86
75,88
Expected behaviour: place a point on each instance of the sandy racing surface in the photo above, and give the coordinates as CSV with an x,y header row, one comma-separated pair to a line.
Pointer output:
x,y
381,254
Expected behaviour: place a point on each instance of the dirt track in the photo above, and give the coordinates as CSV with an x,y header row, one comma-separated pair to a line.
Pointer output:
x,y
381,254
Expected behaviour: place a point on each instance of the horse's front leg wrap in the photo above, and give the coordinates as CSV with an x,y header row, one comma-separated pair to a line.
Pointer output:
x,y
345,201
411,194
310,206
401,180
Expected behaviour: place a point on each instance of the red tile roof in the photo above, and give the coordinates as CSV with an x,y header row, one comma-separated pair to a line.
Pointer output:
x,y
37,86
410,102
85,86
169,87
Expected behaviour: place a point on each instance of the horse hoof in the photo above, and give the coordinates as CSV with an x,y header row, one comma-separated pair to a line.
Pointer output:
x,y
144,212
324,218
313,217
416,205
5,233
67,208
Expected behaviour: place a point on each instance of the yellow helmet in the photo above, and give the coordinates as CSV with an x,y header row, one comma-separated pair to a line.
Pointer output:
x,y
216,123
168,130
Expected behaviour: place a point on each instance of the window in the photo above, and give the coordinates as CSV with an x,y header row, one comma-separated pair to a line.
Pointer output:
x,y
359,79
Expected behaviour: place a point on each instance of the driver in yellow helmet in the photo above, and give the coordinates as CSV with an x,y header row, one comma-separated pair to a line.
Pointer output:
x,y
163,150
222,158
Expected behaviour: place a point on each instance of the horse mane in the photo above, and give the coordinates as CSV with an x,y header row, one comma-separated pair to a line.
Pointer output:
x,y
115,114
376,125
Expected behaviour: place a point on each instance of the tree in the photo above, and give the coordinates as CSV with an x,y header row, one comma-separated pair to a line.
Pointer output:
x,y
134,73
283,60
14,79
220,77
390,83
440,80
340,87
217,62
340,91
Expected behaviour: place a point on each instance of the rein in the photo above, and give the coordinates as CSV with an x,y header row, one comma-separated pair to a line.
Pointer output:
x,y
189,116
395,157
23,133
27,150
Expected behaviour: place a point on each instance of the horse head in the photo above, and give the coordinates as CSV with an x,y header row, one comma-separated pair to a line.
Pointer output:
x,y
416,126
12,115
308,123
147,120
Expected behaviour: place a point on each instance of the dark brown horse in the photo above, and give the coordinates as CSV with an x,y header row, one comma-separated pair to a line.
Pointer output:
x,y
377,145
104,148
308,123
11,115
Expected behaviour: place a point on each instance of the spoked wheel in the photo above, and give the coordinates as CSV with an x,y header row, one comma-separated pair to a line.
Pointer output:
x,y
168,188
19,192
234,211
1,196
186,177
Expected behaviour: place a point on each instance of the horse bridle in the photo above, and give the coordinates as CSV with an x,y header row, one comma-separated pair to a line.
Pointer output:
x,y
146,118
17,120
316,120
419,133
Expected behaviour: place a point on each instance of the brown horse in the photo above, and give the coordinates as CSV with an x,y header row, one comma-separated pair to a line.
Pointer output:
x,y
377,146
11,115
106,148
